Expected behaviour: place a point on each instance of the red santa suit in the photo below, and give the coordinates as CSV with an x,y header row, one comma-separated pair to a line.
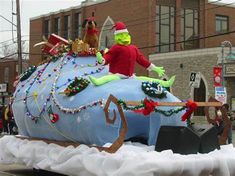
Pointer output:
x,y
122,59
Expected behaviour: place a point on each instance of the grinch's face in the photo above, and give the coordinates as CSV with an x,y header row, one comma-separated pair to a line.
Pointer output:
x,y
123,38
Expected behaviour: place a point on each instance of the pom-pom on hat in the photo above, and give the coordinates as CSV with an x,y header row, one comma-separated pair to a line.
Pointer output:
x,y
119,27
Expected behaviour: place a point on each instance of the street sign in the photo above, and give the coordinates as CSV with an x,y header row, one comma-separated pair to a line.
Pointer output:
x,y
221,94
3,87
195,79
192,76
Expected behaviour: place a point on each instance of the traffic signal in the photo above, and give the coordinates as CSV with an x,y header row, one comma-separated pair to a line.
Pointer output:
x,y
218,76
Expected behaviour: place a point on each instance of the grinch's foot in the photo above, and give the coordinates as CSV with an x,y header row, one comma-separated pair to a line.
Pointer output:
x,y
104,79
168,83
94,80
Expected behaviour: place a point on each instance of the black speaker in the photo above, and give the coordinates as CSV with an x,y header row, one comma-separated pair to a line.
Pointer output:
x,y
187,140
208,137
177,138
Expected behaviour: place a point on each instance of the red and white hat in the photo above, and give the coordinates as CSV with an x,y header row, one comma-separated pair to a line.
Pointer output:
x,y
119,27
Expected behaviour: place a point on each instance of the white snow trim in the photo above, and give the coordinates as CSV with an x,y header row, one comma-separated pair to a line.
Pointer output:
x,y
120,31
150,68
131,159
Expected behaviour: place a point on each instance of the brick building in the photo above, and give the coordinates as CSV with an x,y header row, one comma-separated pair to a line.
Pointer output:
x,y
9,72
156,26
8,68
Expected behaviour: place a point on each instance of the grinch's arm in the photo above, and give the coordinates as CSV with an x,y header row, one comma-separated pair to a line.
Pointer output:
x,y
109,54
159,70
100,58
148,65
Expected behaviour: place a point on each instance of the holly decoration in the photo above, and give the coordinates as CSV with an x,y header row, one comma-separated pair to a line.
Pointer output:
x,y
76,86
148,105
28,73
153,89
53,117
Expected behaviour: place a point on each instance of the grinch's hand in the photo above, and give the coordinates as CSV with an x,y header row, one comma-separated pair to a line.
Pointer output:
x,y
159,70
99,57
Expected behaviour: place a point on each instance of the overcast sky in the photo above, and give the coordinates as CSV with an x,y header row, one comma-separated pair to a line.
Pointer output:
x,y
32,8
29,9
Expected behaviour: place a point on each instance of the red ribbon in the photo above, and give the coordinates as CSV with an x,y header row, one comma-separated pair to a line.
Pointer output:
x,y
149,106
191,107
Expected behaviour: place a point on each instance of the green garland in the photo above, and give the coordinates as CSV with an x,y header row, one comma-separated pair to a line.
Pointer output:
x,y
153,89
28,73
140,106
76,86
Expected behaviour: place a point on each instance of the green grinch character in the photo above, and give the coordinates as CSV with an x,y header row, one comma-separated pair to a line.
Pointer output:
x,y
122,57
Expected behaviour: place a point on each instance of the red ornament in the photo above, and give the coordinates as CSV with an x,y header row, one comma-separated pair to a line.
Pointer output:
x,y
54,118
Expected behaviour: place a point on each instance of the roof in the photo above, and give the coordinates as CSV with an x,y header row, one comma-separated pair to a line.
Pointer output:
x,y
83,4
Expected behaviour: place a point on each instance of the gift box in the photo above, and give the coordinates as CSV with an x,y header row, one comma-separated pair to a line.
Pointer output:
x,y
79,46
53,41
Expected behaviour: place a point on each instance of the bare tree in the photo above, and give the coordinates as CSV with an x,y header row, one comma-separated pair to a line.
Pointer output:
x,y
8,49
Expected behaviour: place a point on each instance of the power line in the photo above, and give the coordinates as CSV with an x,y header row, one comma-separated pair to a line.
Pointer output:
x,y
7,20
5,41
183,41
7,30
8,55
3,45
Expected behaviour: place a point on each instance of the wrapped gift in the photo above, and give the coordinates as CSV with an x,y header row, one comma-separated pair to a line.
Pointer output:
x,y
51,46
53,41
79,46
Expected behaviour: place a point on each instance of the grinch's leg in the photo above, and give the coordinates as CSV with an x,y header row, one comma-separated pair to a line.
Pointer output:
x,y
104,79
163,83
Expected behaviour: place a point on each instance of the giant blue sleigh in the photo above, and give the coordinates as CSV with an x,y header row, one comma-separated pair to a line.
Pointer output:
x,y
81,117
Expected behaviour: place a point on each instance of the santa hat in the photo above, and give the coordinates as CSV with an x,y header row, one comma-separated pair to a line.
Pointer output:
x,y
119,27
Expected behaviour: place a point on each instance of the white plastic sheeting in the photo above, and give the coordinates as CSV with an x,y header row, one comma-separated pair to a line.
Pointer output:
x,y
132,159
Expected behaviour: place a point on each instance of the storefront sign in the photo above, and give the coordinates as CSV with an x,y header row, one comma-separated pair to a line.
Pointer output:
x,y
229,70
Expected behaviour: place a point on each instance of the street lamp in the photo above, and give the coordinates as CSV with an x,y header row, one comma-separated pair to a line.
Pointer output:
x,y
229,56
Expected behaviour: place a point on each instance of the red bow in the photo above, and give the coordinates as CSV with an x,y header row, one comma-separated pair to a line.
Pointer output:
x,y
92,31
149,106
191,107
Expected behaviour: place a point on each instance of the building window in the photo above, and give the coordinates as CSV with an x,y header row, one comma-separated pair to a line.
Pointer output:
x,y
189,29
6,74
200,96
57,26
165,28
77,25
46,28
106,37
221,23
67,27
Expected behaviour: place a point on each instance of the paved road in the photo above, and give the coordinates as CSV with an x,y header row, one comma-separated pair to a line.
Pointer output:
x,y
20,170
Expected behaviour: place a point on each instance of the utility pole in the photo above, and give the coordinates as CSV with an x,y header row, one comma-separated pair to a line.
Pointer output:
x,y
19,37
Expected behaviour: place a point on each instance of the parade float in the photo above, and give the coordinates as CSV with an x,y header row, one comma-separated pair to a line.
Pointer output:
x,y
72,114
